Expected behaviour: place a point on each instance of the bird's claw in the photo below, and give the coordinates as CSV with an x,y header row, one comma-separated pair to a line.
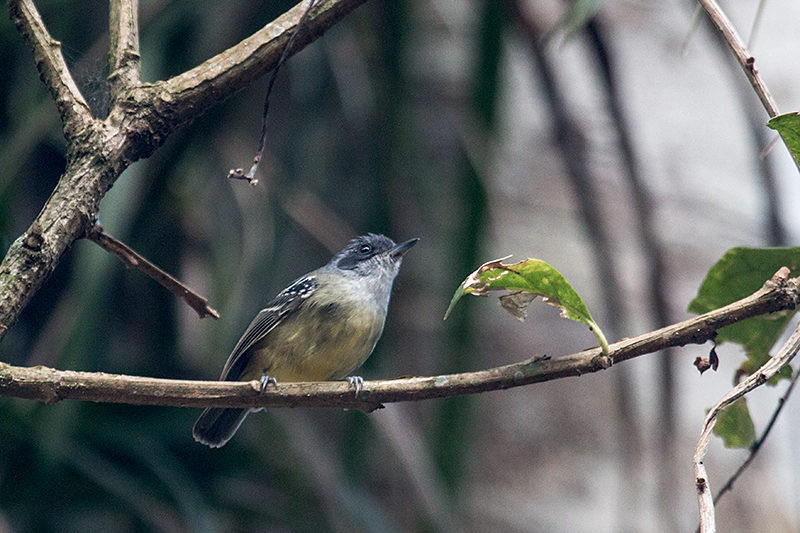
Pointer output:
x,y
356,382
266,380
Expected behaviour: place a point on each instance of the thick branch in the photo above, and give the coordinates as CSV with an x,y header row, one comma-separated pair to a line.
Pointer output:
x,y
184,97
140,120
69,212
51,386
124,65
75,112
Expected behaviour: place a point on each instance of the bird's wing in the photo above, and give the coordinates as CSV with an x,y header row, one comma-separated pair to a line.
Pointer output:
x,y
284,304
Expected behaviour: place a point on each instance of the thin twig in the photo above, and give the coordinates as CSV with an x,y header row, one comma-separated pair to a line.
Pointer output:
x,y
758,443
776,232
758,378
134,260
745,60
251,174
50,386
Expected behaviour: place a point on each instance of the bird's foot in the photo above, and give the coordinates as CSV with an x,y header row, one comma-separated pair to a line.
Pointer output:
x,y
356,382
266,380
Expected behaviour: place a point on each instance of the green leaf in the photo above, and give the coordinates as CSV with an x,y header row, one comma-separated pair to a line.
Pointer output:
x,y
735,426
788,126
739,273
525,281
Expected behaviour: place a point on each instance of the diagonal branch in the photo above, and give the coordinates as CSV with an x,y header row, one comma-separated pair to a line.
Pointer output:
x,y
187,95
75,112
132,259
50,386
745,60
767,371
124,60
743,57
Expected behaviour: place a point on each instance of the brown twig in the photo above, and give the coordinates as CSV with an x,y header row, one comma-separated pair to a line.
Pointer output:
x,y
758,378
743,57
132,259
250,177
50,386
745,60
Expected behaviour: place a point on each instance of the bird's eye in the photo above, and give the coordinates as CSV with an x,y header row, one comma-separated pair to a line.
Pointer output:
x,y
365,249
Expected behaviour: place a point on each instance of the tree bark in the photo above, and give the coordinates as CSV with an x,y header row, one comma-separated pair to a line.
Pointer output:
x,y
141,118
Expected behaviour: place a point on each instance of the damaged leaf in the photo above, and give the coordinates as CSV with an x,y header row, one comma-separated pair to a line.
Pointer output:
x,y
524,281
702,364
517,303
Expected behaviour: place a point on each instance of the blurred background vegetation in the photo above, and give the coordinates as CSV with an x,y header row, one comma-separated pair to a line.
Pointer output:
x,y
620,146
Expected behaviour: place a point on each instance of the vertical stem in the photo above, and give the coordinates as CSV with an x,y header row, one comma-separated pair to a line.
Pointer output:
x,y
124,60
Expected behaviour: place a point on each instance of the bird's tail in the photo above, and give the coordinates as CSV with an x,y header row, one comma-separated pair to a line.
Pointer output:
x,y
216,425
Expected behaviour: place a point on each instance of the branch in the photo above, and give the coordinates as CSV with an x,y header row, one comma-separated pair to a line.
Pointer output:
x,y
184,97
728,486
132,259
745,60
140,121
767,371
124,60
50,386
75,112
737,46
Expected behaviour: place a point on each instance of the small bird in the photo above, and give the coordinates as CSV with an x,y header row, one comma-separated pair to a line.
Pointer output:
x,y
323,326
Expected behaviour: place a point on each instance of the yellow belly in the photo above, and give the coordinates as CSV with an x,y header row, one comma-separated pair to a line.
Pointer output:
x,y
314,346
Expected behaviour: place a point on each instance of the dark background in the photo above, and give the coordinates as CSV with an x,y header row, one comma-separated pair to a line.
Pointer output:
x,y
627,155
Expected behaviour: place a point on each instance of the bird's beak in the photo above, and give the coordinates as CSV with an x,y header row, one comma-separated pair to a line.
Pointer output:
x,y
398,251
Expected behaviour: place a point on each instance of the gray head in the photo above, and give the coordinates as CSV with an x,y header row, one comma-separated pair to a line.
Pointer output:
x,y
371,254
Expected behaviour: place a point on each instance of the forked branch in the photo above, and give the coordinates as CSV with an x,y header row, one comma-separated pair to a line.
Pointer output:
x,y
756,379
141,118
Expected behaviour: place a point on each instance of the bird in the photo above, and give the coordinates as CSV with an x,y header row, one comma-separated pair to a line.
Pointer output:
x,y
322,327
